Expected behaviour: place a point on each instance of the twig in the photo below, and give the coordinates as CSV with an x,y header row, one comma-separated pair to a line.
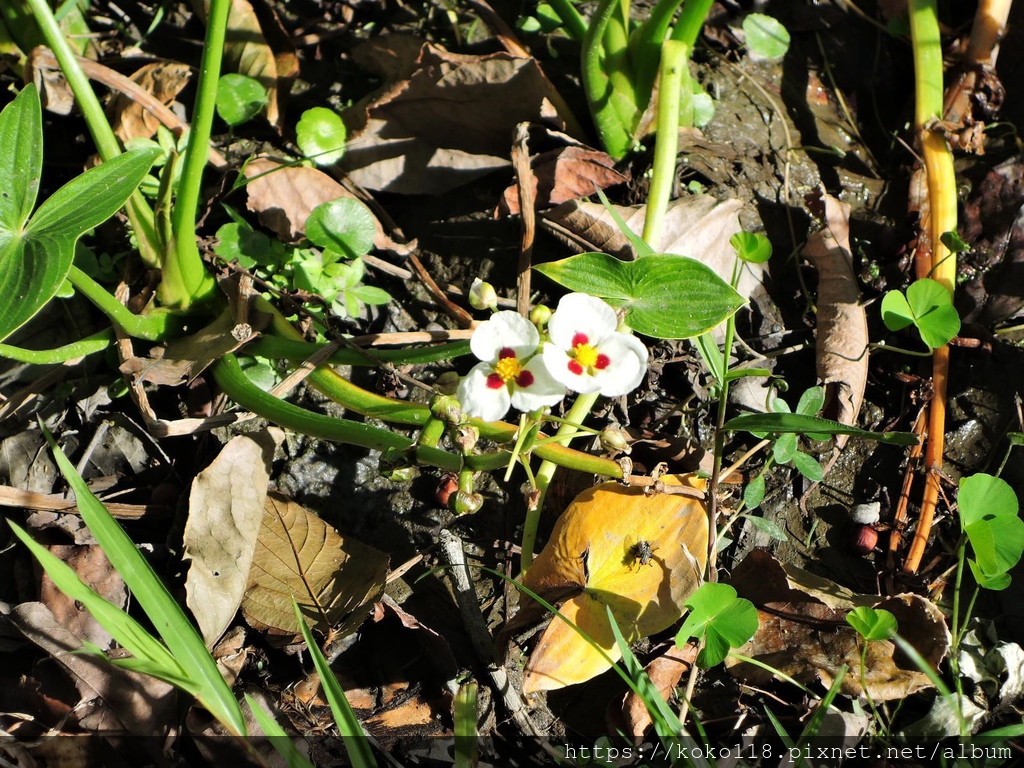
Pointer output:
x,y
527,213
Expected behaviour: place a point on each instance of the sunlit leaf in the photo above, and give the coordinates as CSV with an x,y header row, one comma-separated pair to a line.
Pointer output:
x,y
721,619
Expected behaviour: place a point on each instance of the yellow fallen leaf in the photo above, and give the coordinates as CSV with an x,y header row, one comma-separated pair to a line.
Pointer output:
x,y
597,554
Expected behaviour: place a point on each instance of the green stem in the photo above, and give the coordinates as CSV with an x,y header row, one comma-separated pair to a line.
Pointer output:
x,y
431,433
571,19
185,278
296,351
152,327
646,47
139,213
577,414
690,21
675,75
597,85
233,381
87,346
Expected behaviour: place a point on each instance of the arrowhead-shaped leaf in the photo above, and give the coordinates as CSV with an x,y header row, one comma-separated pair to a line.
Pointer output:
x,y
35,258
665,296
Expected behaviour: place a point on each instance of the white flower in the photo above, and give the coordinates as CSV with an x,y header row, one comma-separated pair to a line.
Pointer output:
x,y
511,372
587,354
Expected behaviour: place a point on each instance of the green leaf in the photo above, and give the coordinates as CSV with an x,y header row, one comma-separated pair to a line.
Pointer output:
x,y
182,639
810,426
345,225
356,744
811,401
321,135
753,494
369,294
665,296
954,242
784,448
712,356
721,618
928,306
872,624
251,248
35,260
767,39
280,740
988,515
21,147
752,248
770,527
239,98
808,467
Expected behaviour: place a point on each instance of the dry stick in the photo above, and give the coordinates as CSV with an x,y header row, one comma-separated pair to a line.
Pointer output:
x,y
43,58
528,216
899,517
483,644
982,52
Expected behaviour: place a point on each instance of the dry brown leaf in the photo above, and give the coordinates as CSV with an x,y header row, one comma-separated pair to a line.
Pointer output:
x,y
592,552
450,122
698,227
226,508
665,672
565,174
284,196
128,118
185,358
298,555
92,567
842,341
803,632
123,701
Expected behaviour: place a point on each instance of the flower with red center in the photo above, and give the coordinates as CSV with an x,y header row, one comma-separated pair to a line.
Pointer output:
x,y
587,354
511,371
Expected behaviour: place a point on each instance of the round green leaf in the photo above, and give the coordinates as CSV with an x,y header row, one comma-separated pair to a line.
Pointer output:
x,y
345,226
767,39
896,312
988,515
239,98
751,247
872,624
321,135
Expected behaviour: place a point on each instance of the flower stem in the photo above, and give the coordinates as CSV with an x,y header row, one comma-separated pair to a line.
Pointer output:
x,y
577,413
87,346
675,76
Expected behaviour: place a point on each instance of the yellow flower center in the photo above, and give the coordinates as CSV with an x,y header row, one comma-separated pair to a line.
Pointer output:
x,y
586,355
508,368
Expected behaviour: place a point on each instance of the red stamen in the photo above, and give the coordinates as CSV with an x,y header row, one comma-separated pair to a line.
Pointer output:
x,y
580,338
525,379
494,381
602,362
506,352
575,367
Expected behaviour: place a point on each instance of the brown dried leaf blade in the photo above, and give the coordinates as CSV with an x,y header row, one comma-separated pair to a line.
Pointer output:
x,y
163,79
298,555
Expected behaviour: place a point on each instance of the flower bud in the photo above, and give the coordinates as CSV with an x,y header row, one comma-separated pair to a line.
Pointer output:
x,y
615,440
482,295
447,383
463,503
540,315
446,408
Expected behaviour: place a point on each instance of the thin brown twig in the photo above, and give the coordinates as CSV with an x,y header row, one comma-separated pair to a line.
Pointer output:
x,y
527,213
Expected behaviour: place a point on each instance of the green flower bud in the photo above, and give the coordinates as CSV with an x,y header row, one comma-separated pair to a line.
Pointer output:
x,y
615,440
482,295
540,315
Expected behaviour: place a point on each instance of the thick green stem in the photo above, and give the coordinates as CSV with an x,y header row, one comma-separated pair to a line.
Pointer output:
x,y
675,75
645,48
597,86
87,346
571,18
577,414
690,21
152,327
139,213
185,278
297,351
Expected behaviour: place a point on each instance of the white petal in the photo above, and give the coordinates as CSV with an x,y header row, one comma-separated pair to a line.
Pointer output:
x,y
544,390
505,330
478,400
557,363
627,357
580,313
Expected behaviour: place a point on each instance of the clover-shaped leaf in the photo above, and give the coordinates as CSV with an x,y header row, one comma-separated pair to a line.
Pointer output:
x,y
928,306
988,515
872,624
36,252
719,617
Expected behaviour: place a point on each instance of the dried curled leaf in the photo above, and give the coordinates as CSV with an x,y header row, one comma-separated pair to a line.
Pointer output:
x,y
640,555
163,79
298,555
803,632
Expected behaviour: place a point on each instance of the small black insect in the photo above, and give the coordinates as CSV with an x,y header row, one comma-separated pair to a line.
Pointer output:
x,y
642,552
